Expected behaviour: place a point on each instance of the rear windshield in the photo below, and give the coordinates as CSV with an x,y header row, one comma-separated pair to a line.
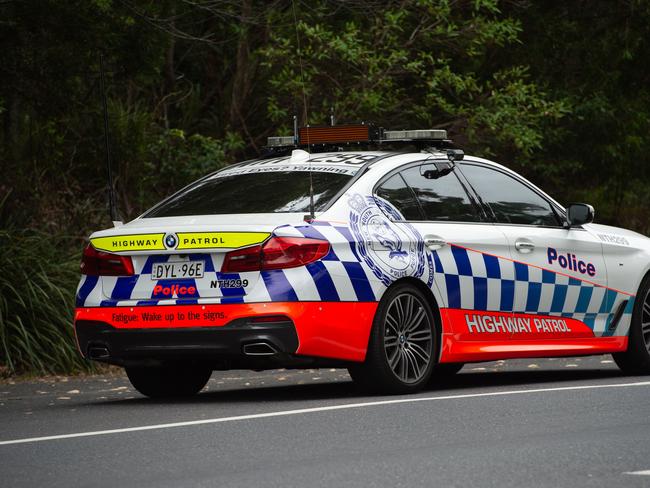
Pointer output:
x,y
263,192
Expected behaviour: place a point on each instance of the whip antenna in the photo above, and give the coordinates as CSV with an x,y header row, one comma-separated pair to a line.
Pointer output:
x,y
112,207
305,111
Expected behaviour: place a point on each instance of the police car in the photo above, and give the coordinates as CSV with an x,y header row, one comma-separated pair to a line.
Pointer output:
x,y
400,263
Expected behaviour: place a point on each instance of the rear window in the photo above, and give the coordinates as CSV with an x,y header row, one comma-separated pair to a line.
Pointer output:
x,y
261,192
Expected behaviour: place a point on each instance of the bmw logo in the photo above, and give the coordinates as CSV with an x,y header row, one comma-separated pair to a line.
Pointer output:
x,y
171,241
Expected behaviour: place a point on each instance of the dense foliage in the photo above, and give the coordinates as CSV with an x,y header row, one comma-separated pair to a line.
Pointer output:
x,y
556,90
37,286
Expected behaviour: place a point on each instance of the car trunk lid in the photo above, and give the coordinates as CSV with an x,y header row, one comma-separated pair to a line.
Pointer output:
x,y
180,258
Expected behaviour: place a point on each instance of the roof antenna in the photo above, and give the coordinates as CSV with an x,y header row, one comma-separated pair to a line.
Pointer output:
x,y
311,215
112,206
295,130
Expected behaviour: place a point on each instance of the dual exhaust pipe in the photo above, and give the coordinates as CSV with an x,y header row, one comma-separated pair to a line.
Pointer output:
x,y
250,349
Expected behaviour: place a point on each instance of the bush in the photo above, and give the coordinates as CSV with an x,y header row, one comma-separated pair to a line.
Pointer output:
x,y
37,288
174,160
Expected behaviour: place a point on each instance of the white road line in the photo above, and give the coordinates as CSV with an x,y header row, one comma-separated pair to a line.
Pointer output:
x,y
639,473
345,406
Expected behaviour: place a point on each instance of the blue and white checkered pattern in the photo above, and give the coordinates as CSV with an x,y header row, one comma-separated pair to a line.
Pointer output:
x,y
138,289
340,276
472,280
465,279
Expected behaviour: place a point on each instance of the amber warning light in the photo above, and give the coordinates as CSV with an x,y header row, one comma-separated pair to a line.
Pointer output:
x,y
340,133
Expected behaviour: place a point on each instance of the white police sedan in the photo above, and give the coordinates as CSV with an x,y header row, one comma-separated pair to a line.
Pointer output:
x,y
400,264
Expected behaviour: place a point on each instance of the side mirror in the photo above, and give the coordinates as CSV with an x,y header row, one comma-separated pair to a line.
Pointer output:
x,y
579,213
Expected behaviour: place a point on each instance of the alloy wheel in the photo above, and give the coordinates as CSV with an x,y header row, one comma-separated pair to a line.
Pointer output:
x,y
408,338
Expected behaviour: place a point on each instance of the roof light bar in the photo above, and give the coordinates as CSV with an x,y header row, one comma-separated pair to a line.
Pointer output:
x,y
355,133
277,141
401,135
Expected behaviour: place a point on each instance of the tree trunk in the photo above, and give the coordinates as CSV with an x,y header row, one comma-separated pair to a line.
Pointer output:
x,y
241,78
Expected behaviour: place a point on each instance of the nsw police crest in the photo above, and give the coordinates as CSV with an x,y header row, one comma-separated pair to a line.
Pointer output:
x,y
391,250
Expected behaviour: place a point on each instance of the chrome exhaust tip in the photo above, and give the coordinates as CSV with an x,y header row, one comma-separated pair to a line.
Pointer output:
x,y
259,349
98,352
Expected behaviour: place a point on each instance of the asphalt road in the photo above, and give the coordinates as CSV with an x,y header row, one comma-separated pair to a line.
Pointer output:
x,y
563,422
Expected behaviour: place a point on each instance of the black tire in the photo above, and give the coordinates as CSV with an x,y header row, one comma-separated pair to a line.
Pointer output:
x,y
443,373
636,360
169,381
446,370
401,349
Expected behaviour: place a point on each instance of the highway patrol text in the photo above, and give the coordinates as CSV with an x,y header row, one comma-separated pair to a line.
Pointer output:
x,y
514,325
135,242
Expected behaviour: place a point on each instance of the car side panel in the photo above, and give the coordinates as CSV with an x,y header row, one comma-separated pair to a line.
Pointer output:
x,y
627,257
471,277
542,323
567,278
479,306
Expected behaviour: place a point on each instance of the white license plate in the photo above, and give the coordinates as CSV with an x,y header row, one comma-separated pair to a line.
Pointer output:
x,y
182,269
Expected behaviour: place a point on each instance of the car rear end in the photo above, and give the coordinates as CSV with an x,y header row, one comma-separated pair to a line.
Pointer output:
x,y
228,273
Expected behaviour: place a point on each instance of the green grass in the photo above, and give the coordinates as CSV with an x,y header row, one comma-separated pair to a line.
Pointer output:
x,y
38,279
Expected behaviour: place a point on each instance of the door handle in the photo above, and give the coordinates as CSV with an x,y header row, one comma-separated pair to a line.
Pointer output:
x,y
524,246
434,242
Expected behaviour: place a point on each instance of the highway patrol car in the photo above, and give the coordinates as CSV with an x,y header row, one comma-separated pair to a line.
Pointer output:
x,y
400,265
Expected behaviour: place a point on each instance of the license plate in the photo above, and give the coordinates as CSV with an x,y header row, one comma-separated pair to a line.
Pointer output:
x,y
182,269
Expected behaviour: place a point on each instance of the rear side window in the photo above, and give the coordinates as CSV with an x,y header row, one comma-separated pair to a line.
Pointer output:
x,y
395,191
511,201
443,198
262,192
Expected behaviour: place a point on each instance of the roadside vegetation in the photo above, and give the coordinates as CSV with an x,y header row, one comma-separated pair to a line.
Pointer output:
x,y
556,90
37,286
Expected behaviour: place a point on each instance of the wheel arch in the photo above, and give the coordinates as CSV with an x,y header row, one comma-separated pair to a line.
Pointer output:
x,y
433,302
637,291
644,276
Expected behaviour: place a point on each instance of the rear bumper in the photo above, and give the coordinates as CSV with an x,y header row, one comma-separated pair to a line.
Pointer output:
x,y
236,341
335,330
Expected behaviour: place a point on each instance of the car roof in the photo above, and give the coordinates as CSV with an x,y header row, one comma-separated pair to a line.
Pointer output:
x,y
350,162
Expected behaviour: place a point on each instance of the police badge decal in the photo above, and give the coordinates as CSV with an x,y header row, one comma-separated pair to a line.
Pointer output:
x,y
391,251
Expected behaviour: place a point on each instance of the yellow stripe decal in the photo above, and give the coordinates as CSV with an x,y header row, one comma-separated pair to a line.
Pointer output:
x,y
217,240
132,242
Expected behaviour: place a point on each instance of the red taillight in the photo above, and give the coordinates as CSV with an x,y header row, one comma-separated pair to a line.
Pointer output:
x,y
248,259
276,253
98,263
290,252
